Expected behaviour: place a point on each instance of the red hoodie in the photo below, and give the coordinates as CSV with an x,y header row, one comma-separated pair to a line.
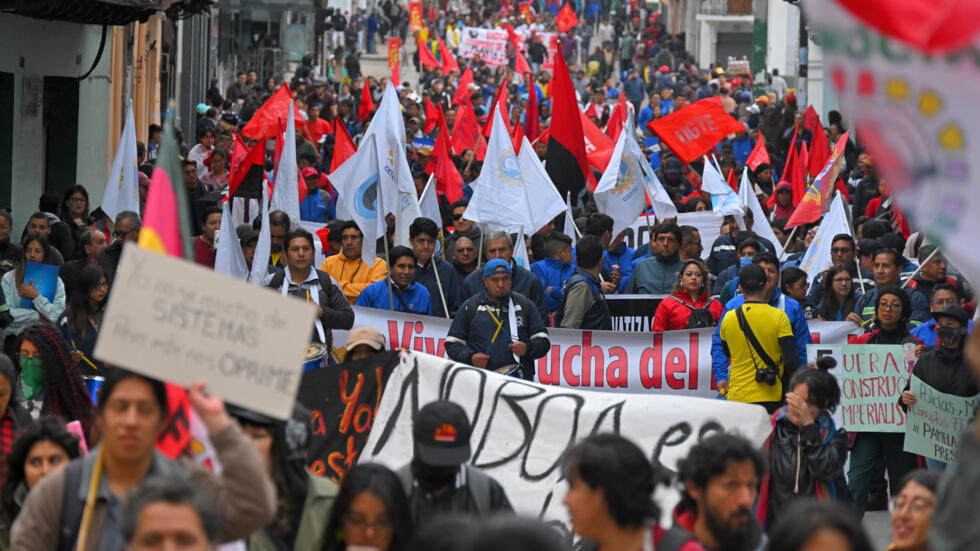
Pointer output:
x,y
684,521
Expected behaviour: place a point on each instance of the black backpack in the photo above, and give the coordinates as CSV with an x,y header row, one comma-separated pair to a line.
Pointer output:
x,y
700,317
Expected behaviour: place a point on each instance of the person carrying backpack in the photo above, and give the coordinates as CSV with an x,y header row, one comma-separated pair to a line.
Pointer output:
x,y
689,306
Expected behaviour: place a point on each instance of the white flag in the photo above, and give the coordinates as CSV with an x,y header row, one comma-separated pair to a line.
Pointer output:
x,y
569,220
760,222
520,251
285,192
408,211
357,184
122,188
627,181
229,259
724,201
817,257
263,247
499,200
388,129
543,201
429,203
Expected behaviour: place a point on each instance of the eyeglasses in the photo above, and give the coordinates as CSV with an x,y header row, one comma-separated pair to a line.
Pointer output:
x,y
942,303
916,505
77,200
841,250
842,280
890,305
123,234
465,249
457,216
102,285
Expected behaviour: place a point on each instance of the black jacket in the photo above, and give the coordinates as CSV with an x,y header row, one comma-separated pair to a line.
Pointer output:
x,y
864,192
790,479
946,371
337,313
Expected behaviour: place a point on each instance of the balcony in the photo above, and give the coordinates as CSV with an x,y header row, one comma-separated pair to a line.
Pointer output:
x,y
726,7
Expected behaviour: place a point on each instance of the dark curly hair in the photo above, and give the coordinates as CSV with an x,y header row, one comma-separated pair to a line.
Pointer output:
x,y
80,308
709,459
620,469
45,429
65,393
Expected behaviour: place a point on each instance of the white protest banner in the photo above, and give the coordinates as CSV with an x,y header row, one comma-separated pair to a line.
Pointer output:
x,y
489,44
520,430
671,362
872,378
707,223
936,421
176,321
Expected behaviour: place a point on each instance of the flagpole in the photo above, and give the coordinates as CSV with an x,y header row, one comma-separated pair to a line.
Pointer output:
x,y
442,295
788,239
479,249
857,262
391,296
921,264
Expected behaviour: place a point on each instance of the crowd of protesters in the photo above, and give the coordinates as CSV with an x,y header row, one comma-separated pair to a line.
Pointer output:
x,y
885,278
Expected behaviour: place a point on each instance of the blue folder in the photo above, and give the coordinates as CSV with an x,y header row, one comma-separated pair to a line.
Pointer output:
x,y
45,278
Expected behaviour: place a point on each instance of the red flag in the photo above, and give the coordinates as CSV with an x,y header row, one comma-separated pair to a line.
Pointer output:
x,y
521,65
617,119
393,60
343,145
448,180
731,180
270,119
591,112
466,129
804,157
239,151
324,235
693,130
517,136
819,146
796,176
415,16
463,86
448,61
566,18
568,165
759,154
787,175
431,116
249,175
428,60
502,101
367,103
946,27
532,121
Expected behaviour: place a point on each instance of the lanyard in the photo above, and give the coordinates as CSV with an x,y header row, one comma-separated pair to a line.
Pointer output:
x,y
310,297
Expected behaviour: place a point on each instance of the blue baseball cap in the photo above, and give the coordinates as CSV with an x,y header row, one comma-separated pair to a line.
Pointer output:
x,y
496,266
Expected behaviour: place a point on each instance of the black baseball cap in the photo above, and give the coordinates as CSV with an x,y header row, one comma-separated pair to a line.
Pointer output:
x,y
952,311
442,434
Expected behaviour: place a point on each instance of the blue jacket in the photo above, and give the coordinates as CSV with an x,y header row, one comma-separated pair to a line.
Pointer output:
x,y
414,299
523,282
469,335
801,332
741,148
723,253
635,90
927,332
425,276
314,209
552,273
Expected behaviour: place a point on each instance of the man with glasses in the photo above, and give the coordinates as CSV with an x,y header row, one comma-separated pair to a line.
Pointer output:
x,y
127,228
523,281
461,227
843,251
887,271
943,295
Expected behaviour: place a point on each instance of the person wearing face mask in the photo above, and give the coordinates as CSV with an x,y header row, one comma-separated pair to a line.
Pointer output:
x,y
944,367
807,451
438,480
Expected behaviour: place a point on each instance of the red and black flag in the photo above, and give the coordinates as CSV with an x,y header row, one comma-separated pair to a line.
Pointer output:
x,y
246,180
567,164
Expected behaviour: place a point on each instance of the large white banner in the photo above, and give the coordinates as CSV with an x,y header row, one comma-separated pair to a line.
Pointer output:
x,y
521,430
708,225
671,362
491,45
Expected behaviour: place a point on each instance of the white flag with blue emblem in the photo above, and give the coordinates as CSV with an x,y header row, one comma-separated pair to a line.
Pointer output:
x,y
542,198
724,200
357,184
499,200
388,129
627,181
122,188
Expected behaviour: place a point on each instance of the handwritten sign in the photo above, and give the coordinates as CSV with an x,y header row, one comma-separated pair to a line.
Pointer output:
x,y
177,321
872,378
936,420
522,429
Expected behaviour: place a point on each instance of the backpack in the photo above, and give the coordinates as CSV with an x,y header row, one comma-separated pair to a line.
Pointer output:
x,y
700,317
477,482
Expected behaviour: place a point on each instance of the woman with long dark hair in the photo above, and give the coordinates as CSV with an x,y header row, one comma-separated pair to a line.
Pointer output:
x,y
685,308
80,323
304,499
839,295
34,248
74,212
49,378
371,511
42,448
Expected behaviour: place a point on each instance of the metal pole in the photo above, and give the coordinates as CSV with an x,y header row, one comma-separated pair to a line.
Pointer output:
x,y
391,296
442,295
857,261
788,239
919,269
479,249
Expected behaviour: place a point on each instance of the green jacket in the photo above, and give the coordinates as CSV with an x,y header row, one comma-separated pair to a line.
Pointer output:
x,y
320,495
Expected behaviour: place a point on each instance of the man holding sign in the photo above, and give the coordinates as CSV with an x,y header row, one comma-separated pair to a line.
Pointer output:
x,y
940,370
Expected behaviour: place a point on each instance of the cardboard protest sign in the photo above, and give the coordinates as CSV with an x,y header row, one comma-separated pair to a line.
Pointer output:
x,y
672,362
521,429
936,421
177,321
343,403
872,378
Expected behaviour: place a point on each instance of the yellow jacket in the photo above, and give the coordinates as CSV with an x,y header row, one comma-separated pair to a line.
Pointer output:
x,y
353,275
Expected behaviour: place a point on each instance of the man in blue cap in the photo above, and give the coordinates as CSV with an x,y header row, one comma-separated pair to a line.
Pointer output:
x,y
498,329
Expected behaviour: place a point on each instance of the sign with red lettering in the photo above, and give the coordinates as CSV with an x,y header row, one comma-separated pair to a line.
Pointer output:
x,y
693,130
343,402
872,377
672,362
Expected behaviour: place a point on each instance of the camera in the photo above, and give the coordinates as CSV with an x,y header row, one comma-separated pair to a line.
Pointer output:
x,y
768,376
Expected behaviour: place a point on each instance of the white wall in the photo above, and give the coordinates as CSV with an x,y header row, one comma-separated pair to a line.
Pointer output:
x,y
783,38
51,48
